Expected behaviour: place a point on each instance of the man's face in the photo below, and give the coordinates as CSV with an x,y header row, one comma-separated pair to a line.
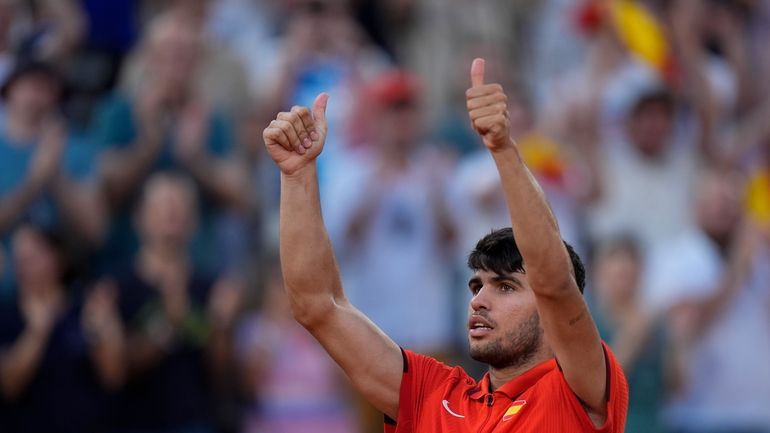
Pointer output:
x,y
36,262
503,326
650,128
167,213
174,51
718,204
35,94
398,127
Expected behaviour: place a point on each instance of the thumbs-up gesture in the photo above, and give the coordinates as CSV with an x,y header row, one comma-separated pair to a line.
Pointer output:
x,y
296,138
488,109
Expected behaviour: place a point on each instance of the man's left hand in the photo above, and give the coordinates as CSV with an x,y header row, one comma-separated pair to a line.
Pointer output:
x,y
488,108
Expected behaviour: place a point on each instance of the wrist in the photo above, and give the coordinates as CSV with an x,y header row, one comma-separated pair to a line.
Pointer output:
x,y
308,171
499,144
505,149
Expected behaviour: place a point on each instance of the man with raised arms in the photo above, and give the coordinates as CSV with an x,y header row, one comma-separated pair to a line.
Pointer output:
x,y
549,371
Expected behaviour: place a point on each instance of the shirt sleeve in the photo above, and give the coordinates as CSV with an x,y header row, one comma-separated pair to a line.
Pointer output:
x,y
421,375
617,398
114,124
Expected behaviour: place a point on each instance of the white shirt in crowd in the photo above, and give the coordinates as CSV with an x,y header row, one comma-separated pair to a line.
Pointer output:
x,y
727,383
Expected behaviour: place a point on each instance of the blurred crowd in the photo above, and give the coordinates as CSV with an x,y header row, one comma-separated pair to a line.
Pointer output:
x,y
140,288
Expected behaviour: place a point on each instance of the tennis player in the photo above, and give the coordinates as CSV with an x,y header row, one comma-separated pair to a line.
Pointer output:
x,y
549,371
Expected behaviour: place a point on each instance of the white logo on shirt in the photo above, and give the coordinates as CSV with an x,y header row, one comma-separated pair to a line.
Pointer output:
x,y
446,406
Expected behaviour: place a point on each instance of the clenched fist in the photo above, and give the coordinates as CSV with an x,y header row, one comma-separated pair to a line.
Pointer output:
x,y
296,138
488,109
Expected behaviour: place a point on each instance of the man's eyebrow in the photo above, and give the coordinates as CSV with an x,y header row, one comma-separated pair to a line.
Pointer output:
x,y
504,278
474,281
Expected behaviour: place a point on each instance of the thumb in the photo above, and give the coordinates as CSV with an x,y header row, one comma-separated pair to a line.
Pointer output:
x,y
319,108
477,72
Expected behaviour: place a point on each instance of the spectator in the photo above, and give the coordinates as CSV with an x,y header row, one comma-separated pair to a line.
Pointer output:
x,y
322,49
169,126
46,175
290,383
391,215
219,77
178,318
61,357
712,279
645,183
637,337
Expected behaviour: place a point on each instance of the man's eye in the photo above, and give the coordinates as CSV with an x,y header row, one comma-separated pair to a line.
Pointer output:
x,y
475,289
506,288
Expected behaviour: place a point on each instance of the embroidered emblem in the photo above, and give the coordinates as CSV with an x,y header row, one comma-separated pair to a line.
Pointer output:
x,y
514,409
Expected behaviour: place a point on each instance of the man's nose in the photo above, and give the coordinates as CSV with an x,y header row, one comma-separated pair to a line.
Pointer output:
x,y
480,300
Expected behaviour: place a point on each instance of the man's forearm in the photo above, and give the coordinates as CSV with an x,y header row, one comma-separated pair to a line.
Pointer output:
x,y
307,259
13,205
108,355
125,169
20,363
224,180
534,225
82,208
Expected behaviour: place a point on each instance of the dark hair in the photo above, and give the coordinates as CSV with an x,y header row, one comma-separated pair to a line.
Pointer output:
x,y
27,68
621,243
497,252
662,98
54,238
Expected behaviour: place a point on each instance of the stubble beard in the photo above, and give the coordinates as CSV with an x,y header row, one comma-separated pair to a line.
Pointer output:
x,y
514,349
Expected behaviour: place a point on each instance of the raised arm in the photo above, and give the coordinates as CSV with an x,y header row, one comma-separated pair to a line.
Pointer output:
x,y
368,356
568,326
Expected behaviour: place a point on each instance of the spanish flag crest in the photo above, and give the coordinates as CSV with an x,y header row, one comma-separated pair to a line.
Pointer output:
x,y
514,409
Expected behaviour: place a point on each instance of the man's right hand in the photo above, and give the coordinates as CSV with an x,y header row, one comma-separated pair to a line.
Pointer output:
x,y
295,139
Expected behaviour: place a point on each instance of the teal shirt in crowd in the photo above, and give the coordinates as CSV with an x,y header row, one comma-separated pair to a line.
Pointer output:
x,y
79,162
646,378
115,127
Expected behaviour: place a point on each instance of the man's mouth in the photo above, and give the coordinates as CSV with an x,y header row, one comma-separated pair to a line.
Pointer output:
x,y
478,326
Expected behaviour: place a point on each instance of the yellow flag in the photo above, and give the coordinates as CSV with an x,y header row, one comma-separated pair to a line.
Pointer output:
x,y
642,34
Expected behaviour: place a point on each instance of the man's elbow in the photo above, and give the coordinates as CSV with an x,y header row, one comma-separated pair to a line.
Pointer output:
x,y
553,285
311,313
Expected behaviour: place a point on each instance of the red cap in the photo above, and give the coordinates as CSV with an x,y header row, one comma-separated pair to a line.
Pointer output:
x,y
394,87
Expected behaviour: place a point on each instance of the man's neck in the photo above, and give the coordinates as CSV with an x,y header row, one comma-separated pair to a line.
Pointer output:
x,y
500,376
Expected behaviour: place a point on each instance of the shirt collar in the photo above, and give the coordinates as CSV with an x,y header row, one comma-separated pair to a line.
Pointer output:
x,y
514,387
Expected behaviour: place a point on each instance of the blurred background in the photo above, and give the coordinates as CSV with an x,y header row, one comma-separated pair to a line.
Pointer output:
x,y
140,289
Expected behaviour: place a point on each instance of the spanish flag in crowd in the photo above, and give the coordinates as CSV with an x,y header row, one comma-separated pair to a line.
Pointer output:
x,y
638,29
543,156
758,198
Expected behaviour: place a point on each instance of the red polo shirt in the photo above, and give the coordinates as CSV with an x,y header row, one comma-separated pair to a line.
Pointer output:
x,y
436,398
